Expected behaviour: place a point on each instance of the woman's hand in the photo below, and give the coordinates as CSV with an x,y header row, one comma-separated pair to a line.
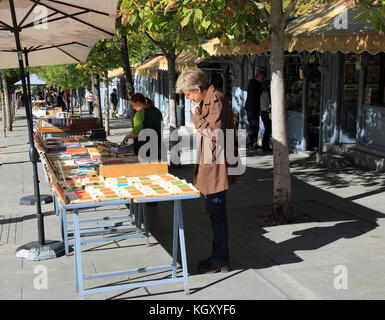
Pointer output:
x,y
195,110
125,140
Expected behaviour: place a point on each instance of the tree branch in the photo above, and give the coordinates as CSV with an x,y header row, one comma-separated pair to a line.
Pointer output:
x,y
290,8
262,8
156,43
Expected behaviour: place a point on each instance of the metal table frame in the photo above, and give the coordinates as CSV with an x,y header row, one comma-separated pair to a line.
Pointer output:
x,y
134,220
178,232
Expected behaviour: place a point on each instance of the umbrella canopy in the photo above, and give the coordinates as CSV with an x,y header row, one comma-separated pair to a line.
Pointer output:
x,y
34,81
46,22
53,54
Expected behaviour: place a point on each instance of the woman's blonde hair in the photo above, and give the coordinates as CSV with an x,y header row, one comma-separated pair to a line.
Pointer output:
x,y
190,79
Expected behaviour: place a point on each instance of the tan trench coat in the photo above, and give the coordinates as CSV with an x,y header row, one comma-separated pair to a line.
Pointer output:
x,y
210,172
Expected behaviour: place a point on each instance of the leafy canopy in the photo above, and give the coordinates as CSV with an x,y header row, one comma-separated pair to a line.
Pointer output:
x,y
373,10
184,24
64,76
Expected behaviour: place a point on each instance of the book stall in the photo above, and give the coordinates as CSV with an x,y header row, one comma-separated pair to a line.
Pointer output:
x,y
85,173
63,124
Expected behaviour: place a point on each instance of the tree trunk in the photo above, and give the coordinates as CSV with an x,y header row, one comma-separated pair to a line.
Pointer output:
x,y
14,106
126,66
79,100
7,106
282,181
3,113
71,100
96,95
171,57
127,71
107,125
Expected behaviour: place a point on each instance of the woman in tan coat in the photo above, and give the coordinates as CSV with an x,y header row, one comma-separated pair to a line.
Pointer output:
x,y
212,116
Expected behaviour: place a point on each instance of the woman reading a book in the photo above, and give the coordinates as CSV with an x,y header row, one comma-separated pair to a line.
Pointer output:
x,y
147,116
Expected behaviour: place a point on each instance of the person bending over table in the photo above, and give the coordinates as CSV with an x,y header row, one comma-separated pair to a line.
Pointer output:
x,y
211,177
147,116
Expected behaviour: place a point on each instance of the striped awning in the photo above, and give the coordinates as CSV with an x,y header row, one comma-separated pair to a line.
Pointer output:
x,y
149,68
334,28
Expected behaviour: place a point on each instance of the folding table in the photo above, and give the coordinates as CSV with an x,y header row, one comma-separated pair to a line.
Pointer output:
x,y
140,203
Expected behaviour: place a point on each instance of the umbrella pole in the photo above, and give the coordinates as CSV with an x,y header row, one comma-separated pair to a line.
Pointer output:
x,y
38,250
28,81
30,200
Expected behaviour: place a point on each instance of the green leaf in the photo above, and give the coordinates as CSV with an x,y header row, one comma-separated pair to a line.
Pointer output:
x,y
133,19
198,14
186,20
206,23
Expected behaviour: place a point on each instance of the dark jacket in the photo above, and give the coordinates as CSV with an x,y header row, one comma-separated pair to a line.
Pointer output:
x,y
59,101
152,119
114,98
253,101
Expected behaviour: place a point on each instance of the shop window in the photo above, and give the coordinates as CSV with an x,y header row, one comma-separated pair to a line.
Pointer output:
x,y
374,81
217,80
293,84
314,95
351,77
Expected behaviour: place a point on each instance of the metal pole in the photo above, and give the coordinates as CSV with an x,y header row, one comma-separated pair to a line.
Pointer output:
x,y
28,81
32,151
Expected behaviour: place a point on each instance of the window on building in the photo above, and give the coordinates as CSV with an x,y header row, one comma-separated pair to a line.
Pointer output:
x,y
374,80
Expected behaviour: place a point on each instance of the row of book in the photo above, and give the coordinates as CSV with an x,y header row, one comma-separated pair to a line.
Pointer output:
x,y
80,156
93,189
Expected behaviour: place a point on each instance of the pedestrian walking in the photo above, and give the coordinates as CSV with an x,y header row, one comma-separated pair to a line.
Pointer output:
x,y
253,108
114,102
90,102
211,176
265,115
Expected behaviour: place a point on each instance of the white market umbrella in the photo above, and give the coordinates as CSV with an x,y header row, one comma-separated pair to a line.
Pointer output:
x,y
34,81
47,55
43,22
27,26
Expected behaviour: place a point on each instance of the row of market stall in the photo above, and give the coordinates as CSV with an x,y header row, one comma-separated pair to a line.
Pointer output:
x,y
89,173
334,78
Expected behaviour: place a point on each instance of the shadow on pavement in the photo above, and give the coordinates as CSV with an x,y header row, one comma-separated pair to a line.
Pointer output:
x,y
249,203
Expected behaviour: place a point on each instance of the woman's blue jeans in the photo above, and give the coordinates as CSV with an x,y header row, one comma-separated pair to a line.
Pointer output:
x,y
216,208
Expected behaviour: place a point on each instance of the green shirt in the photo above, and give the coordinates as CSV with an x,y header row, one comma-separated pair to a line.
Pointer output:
x,y
138,122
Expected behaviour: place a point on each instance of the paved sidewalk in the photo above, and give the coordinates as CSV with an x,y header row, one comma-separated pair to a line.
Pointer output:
x,y
335,250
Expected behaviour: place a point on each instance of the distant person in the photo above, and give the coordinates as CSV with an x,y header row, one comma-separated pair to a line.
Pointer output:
x,y
59,101
90,102
265,115
114,102
66,99
253,108
50,98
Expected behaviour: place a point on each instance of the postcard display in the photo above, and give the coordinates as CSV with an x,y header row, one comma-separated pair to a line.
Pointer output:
x,y
89,174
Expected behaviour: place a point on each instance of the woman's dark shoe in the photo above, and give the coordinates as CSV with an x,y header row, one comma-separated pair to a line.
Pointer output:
x,y
207,267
